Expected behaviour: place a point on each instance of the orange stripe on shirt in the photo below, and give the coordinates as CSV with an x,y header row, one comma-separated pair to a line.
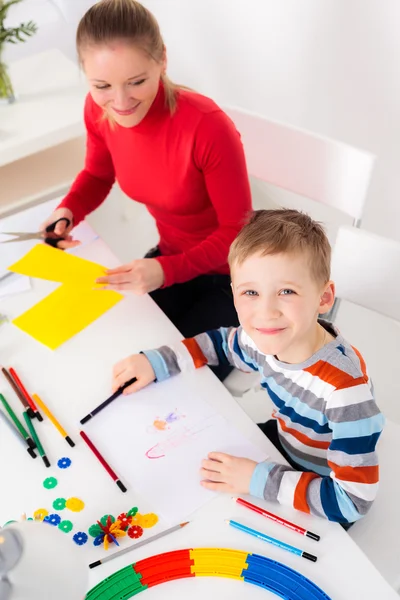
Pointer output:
x,y
195,352
334,376
303,438
356,474
300,493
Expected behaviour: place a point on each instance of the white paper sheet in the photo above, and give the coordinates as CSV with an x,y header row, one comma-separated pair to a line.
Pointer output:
x,y
166,434
15,284
29,220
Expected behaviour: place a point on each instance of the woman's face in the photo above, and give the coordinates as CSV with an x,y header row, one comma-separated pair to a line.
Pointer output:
x,y
123,80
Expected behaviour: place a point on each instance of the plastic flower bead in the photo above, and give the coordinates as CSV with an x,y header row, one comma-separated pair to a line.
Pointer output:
x,y
64,463
104,529
125,520
40,514
135,531
50,483
65,526
80,538
75,504
132,512
148,520
53,520
59,504
98,540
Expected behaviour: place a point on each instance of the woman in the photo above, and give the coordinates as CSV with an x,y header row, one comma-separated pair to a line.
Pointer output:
x,y
169,148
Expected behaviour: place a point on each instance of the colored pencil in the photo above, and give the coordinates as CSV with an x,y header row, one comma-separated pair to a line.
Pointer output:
x,y
52,418
25,393
271,540
16,433
280,520
137,545
35,436
102,460
17,423
108,401
18,392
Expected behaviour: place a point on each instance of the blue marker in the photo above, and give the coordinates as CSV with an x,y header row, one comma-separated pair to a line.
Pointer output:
x,y
271,540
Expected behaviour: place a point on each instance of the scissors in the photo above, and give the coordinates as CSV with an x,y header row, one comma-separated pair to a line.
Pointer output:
x,y
23,236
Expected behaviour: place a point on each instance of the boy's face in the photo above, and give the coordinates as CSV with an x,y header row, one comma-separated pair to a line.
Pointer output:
x,y
278,302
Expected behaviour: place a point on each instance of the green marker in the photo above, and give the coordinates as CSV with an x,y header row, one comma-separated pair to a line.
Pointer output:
x,y
36,439
17,423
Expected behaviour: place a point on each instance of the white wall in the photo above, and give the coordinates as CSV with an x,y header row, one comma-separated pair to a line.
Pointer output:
x,y
331,66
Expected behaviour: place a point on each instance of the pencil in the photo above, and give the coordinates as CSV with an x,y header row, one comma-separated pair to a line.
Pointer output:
x,y
25,393
18,392
16,433
17,423
137,545
102,460
108,401
280,520
36,438
271,540
52,418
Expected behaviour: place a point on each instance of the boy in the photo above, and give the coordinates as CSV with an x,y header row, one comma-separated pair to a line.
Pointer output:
x,y
326,420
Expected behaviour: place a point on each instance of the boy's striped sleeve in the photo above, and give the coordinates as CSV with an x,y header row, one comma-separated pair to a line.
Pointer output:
x,y
347,493
215,347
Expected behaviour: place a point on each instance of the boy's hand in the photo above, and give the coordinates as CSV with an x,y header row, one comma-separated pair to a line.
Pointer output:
x,y
136,365
226,473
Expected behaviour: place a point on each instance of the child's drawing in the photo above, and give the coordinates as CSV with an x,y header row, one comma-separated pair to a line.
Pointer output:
x,y
164,424
184,436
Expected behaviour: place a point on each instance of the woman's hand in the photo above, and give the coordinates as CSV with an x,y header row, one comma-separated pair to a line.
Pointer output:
x,y
139,276
61,230
136,365
225,473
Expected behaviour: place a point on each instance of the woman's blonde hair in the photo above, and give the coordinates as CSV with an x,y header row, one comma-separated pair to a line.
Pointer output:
x,y
127,20
284,231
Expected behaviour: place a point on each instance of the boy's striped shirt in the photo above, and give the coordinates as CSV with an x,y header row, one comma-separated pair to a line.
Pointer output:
x,y
328,420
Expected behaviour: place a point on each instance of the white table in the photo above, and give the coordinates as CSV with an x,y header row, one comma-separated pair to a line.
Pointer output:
x,y
76,377
42,133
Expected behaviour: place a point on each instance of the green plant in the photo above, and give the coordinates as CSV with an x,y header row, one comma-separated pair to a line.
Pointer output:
x,y
13,35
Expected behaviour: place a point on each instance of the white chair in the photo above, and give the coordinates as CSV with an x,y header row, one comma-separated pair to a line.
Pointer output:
x,y
312,166
365,268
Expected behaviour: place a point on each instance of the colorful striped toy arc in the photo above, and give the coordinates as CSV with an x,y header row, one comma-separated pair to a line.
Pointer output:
x,y
207,562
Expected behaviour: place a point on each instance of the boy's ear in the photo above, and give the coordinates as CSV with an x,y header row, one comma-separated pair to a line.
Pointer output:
x,y
327,298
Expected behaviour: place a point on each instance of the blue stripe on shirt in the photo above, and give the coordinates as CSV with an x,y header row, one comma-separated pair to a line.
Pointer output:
x,y
218,343
243,357
329,501
346,505
158,363
358,445
359,428
295,409
259,478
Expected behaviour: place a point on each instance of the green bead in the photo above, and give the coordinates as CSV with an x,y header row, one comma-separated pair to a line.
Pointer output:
x,y
65,526
50,483
59,504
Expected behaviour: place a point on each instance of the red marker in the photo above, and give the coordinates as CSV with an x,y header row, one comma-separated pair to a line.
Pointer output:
x,y
102,460
25,393
280,520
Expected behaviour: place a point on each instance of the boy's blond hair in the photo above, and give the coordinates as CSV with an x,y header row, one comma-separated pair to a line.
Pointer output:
x,y
284,231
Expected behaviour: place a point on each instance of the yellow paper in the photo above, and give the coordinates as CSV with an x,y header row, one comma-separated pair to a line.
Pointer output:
x,y
45,262
64,313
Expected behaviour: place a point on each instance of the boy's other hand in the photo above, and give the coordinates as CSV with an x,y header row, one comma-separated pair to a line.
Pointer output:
x,y
136,365
225,473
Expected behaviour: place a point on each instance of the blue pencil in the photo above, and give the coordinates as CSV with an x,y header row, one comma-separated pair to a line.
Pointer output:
x,y
271,540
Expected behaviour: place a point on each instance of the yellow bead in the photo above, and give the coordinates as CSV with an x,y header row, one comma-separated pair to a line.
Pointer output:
x,y
75,504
